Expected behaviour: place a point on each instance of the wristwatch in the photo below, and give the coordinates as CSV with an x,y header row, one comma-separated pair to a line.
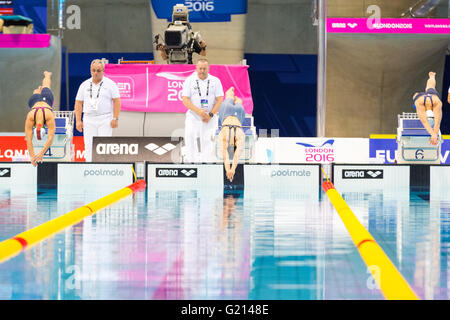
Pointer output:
x,y
211,114
117,119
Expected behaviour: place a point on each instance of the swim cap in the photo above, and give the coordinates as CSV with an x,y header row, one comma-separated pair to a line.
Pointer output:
x,y
39,132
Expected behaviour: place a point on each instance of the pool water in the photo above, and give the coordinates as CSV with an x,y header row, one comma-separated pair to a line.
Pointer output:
x,y
260,243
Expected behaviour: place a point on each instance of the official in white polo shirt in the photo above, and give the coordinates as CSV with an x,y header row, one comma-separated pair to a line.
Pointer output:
x,y
99,99
202,95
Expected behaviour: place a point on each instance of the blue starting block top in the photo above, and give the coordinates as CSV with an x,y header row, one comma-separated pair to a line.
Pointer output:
x,y
247,122
415,133
412,124
60,122
60,126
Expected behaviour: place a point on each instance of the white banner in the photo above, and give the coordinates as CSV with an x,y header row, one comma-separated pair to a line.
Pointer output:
x,y
85,176
283,176
18,177
312,150
361,177
439,182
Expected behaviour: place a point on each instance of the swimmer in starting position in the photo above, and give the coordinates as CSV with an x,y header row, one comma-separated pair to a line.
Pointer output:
x,y
40,115
428,105
231,117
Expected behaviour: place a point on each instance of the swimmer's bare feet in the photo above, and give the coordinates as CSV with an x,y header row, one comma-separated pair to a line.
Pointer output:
x,y
47,74
431,74
230,93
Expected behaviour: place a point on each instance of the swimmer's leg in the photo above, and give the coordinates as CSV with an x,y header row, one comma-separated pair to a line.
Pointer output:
x,y
47,81
431,82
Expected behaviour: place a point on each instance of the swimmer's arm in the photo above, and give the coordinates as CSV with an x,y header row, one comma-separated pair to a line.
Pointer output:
x,y
51,128
437,110
226,160
240,141
423,118
29,137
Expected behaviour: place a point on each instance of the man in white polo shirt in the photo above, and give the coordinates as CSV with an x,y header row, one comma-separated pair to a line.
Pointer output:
x,y
99,99
202,95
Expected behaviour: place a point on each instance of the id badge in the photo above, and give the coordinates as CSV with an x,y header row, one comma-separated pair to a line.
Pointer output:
x,y
204,103
92,105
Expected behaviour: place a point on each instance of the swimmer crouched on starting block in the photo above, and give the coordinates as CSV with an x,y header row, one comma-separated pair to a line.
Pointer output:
x,y
231,117
429,104
40,115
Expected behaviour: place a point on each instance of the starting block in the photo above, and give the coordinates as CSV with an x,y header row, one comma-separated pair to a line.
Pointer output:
x,y
413,141
62,148
250,139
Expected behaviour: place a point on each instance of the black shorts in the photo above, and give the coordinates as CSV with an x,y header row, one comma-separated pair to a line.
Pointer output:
x,y
46,95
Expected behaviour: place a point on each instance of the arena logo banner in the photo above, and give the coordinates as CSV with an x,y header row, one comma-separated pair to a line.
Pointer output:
x,y
152,149
158,88
176,173
370,176
388,25
201,10
5,172
382,149
184,176
362,174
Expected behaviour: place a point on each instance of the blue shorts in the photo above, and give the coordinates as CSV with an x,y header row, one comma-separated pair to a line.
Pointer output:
x,y
46,96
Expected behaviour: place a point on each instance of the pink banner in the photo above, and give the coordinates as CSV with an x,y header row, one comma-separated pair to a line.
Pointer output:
x,y
395,25
24,40
158,87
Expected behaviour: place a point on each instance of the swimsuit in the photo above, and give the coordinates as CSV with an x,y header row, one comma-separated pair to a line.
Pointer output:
x,y
228,108
427,94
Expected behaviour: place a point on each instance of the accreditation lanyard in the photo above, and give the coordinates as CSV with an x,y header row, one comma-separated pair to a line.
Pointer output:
x,y
98,92
199,92
203,102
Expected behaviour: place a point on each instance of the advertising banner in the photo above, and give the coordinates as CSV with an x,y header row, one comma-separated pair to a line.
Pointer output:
x,y
158,88
135,149
382,149
14,148
287,175
312,150
439,182
85,176
201,10
361,177
17,174
388,25
184,176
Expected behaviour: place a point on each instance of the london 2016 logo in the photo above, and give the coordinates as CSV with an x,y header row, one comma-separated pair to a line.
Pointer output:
x,y
319,153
